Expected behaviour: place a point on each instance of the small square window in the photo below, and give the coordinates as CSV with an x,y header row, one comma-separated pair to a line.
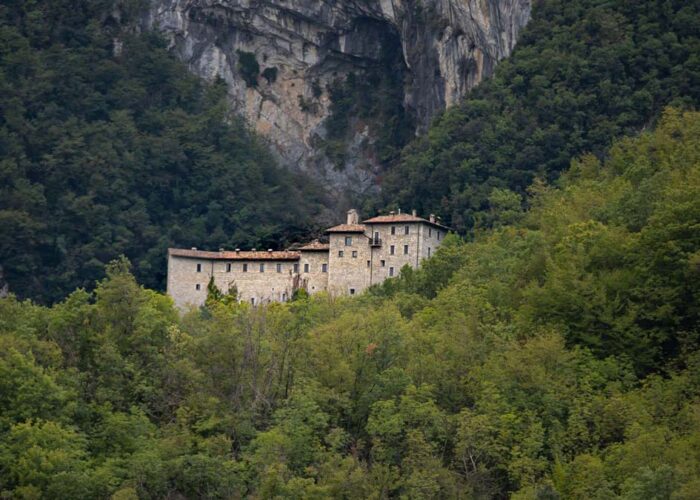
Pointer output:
x,y
352,291
306,268
405,249
391,271
228,267
197,286
324,268
262,267
199,268
279,268
340,253
393,229
252,300
296,268
348,241
391,249
245,268
369,263
405,230
354,254
383,263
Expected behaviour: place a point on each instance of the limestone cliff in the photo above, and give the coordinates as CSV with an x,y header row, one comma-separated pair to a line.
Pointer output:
x,y
281,57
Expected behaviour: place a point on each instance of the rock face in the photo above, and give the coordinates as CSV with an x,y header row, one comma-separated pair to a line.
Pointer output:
x,y
281,57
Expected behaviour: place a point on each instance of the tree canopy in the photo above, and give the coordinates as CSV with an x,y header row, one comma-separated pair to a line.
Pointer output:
x,y
109,146
582,73
554,356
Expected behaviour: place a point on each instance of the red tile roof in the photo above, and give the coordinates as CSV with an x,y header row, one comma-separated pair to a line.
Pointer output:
x,y
233,255
315,246
389,219
347,228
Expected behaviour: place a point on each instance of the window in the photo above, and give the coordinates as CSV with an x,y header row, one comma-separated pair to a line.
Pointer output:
x,y
430,232
228,268
296,268
352,291
354,254
428,251
262,267
393,229
245,268
348,241
369,263
340,253
405,230
197,286
279,268
306,268
383,263
391,249
324,268
391,271
405,249
252,300
284,297
199,268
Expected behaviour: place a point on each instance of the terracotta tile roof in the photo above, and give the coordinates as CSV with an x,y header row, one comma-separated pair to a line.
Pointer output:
x,y
233,255
389,219
315,246
347,228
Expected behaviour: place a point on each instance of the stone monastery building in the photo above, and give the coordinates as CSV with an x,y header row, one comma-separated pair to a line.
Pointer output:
x,y
356,256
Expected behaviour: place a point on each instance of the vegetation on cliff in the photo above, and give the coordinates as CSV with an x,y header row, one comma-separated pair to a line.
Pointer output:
x,y
555,356
583,73
109,146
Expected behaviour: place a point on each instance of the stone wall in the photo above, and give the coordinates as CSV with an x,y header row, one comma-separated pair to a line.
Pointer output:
x,y
356,257
187,283
348,273
315,279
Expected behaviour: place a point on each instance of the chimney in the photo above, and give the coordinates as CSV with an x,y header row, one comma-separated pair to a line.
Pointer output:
x,y
399,211
252,249
221,250
432,218
238,250
414,213
353,218
392,212
269,250
194,248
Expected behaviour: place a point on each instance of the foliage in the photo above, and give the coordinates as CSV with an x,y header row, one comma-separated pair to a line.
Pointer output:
x,y
106,152
555,356
373,99
583,72
249,68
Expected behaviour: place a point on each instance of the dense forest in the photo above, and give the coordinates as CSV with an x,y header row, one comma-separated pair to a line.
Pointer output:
x,y
108,146
583,72
554,356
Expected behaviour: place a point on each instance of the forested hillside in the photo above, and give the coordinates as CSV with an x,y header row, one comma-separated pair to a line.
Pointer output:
x,y
583,73
109,146
555,356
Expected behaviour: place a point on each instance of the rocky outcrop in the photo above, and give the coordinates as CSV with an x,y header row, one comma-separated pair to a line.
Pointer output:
x,y
280,57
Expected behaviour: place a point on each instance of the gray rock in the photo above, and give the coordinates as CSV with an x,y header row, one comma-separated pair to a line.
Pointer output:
x,y
448,47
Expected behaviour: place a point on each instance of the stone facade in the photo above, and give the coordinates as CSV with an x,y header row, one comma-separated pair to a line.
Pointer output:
x,y
356,256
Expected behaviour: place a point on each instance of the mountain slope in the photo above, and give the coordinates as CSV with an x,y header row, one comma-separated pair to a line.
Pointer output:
x,y
109,146
583,73
284,62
